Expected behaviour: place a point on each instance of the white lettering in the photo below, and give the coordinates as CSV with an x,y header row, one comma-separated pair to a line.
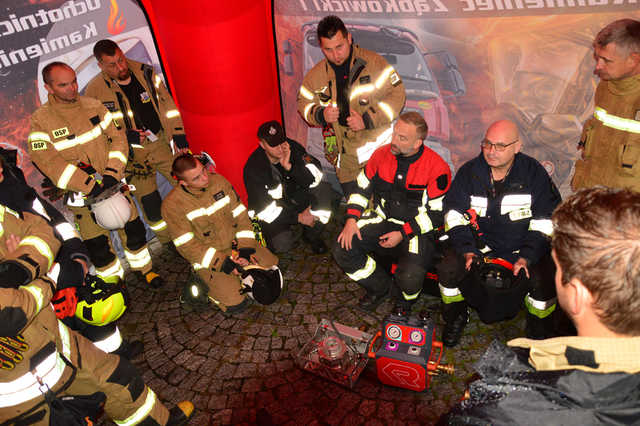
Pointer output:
x,y
90,30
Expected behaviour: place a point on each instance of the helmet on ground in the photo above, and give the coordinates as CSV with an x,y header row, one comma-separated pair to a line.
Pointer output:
x,y
113,210
262,284
100,303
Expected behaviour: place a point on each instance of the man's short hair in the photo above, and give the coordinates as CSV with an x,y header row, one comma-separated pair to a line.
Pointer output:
x,y
329,26
104,47
182,163
625,33
417,120
46,71
597,240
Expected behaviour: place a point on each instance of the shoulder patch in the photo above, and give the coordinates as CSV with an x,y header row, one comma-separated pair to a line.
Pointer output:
x,y
218,195
38,146
110,105
442,182
60,133
394,78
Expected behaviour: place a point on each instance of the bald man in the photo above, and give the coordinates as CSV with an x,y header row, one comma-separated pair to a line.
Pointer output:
x,y
498,219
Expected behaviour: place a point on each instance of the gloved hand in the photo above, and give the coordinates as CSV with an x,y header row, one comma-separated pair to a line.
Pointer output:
x,y
64,302
13,275
71,274
108,181
96,190
51,191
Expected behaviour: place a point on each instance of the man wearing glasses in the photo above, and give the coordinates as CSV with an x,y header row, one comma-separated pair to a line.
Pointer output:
x,y
499,207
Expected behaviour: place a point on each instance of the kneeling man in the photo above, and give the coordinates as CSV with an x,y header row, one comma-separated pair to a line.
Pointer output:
x,y
210,228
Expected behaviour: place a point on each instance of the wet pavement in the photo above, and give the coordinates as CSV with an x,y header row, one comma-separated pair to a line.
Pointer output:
x,y
240,369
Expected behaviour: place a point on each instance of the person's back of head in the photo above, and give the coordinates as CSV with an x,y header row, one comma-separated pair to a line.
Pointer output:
x,y
596,243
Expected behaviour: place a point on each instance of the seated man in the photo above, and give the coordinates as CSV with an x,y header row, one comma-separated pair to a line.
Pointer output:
x,y
210,228
499,206
284,188
407,181
41,358
587,379
73,259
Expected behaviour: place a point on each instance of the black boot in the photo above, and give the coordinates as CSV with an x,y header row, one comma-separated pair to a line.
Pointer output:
x,y
130,349
180,414
370,301
313,237
539,328
454,328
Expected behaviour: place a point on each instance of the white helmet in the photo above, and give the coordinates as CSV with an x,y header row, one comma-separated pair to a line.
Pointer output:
x,y
112,212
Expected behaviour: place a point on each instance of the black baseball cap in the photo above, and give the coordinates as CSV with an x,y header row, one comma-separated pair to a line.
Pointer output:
x,y
271,132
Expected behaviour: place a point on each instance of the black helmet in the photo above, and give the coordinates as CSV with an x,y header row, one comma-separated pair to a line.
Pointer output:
x,y
263,285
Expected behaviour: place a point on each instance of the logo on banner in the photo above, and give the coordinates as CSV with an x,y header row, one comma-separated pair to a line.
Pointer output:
x,y
116,22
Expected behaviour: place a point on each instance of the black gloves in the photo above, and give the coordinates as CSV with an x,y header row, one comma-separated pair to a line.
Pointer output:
x,y
13,275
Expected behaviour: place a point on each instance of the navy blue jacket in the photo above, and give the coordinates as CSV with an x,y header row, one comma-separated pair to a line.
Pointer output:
x,y
518,218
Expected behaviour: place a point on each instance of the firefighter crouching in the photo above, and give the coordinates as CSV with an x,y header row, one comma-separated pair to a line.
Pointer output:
x,y
40,355
407,181
78,305
284,188
206,219
75,142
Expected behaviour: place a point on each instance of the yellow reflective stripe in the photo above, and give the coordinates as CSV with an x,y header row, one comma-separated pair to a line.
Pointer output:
x,y
307,108
206,259
245,234
54,273
436,204
1,230
194,214
394,220
79,139
322,215
36,292
118,155
306,93
66,175
141,412
411,296
423,221
365,271
450,295
358,200
140,259
615,122
106,120
541,225
13,212
513,202
38,136
158,226
362,180
40,245
368,221
117,115
276,193
379,211
539,308
454,218
67,231
317,174
110,343
27,387
238,210
387,110
172,113
380,81
366,151
183,239
359,90
65,337
115,270
479,204
270,213
130,113
157,81
413,245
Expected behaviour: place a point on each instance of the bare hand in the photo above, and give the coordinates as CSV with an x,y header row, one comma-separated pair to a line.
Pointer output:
x,y
306,218
355,121
12,243
521,263
468,260
285,160
331,114
390,239
346,236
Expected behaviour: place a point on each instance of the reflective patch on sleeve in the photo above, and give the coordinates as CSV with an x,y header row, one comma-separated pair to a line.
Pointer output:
x,y
479,204
542,225
317,174
454,218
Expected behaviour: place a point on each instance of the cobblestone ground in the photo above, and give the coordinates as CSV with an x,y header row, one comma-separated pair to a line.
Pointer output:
x,y
240,369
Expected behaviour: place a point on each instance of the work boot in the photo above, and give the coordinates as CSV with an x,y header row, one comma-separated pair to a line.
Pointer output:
x,y
153,279
240,307
180,414
453,330
370,301
539,328
130,349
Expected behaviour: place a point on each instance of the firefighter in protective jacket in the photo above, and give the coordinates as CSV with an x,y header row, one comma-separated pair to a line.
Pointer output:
x,y
354,94
512,197
76,144
39,354
138,98
610,141
407,181
284,187
211,229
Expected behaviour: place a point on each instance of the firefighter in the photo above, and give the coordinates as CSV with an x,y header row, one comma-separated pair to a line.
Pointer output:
x,y
210,228
609,141
355,95
284,186
40,355
73,259
137,97
75,143
513,198
407,181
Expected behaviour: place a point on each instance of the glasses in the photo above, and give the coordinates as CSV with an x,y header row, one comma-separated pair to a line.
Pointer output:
x,y
486,144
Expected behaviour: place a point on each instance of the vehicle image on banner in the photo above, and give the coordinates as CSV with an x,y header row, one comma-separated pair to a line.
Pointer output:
x,y
417,68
